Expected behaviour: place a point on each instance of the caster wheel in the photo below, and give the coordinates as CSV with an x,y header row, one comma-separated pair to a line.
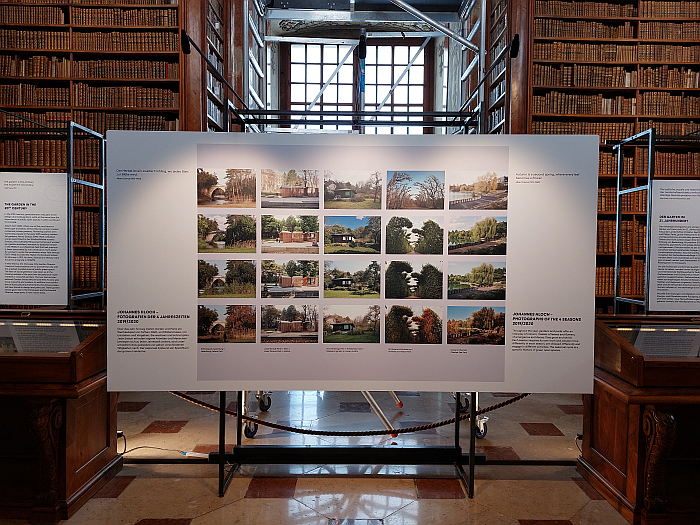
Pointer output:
x,y
481,434
264,403
250,430
463,407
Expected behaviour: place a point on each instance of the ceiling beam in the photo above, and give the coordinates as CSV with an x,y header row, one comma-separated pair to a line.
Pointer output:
x,y
322,15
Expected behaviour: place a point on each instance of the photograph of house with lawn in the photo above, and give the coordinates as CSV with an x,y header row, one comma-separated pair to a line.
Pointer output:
x,y
352,234
477,235
289,234
289,279
414,235
417,190
356,279
348,189
479,280
232,323
413,324
403,282
225,278
294,323
234,188
479,190
218,233
289,189
350,323
476,325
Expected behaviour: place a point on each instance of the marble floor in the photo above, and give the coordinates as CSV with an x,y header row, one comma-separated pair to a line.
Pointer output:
x,y
161,426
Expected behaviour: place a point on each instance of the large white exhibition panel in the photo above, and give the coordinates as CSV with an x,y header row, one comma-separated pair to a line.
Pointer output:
x,y
538,193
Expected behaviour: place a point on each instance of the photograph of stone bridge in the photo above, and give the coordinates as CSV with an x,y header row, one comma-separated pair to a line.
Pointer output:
x,y
226,187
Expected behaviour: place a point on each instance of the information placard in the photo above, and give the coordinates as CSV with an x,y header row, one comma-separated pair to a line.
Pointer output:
x,y
34,239
443,263
674,278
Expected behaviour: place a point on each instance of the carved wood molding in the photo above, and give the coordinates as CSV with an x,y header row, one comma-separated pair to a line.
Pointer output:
x,y
47,418
660,430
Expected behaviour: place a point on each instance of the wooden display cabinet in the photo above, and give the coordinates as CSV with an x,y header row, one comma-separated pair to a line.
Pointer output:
x,y
642,421
58,440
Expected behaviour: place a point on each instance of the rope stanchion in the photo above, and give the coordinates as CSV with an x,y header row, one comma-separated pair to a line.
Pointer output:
x,y
337,433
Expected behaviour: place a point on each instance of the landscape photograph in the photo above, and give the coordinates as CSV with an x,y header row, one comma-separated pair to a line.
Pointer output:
x,y
477,280
349,323
413,324
225,278
402,281
418,190
234,188
220,233
476,325
281,278
478,190
291,234
414,235
232,323
352,234
356,279
477,235
289,189
293,323
352,189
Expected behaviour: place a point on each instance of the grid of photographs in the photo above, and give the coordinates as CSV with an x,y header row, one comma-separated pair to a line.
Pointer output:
x,y
355,257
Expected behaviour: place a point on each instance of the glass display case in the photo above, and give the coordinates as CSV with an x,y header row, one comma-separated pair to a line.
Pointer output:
x,y
642,421
650,352
57,421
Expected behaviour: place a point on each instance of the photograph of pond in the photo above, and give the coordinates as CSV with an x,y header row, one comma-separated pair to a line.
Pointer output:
x,y
225,278
232,323
415,324
414,235
419,190
477,235
356,279
221,233
477,280
476,325
234,188
352,234
350,189
479,190
350,323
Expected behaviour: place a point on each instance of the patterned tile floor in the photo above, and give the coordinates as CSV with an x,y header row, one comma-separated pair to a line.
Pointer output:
x,y
161,426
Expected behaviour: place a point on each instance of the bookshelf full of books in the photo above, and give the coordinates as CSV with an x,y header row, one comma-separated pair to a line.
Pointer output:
x,y
105,64
616,68
216,109
496,90
472,63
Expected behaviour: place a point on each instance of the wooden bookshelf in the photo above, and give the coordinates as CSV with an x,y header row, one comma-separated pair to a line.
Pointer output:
x,y
105,64
472,63
496,96
215,49
615,69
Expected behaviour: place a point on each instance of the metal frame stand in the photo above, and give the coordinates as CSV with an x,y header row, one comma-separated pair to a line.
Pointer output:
x,y
342,455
